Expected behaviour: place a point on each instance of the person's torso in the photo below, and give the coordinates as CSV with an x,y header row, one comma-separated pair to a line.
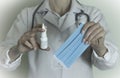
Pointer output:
x,y
43,64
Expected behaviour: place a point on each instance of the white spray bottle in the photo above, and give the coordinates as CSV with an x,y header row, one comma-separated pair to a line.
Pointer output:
x,y
43,38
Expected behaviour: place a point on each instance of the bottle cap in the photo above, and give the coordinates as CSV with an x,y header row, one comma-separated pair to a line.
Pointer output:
x,y
44,34
43,26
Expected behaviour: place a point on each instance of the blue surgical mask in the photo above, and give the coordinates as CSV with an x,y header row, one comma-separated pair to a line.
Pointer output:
x,y
72,49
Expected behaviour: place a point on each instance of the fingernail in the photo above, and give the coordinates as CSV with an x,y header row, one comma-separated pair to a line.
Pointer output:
x,y
35,49
83,32
84,40
31,47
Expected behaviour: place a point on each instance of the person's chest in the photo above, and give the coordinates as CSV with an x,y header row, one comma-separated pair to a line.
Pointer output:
x,y
58,28
58,31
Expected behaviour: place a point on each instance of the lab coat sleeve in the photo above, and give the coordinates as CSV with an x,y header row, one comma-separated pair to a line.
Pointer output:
x,y
18,28
110,59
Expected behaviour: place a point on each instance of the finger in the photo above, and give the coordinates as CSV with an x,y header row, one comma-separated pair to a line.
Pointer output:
x,y
37,30
90,31
98,36
38,26
86,26
24,38
28,44
93,34
28,35
34,43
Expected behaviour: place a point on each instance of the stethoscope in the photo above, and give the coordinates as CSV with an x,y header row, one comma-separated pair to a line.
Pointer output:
x,y
77,16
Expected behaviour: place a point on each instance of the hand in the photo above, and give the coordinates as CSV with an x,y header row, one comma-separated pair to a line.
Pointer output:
x,y
94,35
28,41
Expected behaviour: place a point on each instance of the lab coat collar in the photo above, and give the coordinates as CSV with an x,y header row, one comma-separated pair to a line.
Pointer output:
x,y
70,19
74,6
46,13
70,15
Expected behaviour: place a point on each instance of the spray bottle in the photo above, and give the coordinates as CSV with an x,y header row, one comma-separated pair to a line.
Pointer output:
x,y
43,38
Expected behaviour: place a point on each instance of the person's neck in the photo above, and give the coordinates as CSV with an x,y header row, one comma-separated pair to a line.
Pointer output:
x,y
60,6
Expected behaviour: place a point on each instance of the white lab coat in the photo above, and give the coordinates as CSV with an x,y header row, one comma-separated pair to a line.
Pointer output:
x,y
42,63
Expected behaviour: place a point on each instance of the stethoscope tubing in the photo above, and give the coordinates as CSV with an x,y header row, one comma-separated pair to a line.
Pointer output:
x,y
76,16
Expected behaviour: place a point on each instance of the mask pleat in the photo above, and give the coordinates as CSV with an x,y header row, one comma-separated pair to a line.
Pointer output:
x,y
71,50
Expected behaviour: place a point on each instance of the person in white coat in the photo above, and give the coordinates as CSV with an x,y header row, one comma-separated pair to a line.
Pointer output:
x,y
59,17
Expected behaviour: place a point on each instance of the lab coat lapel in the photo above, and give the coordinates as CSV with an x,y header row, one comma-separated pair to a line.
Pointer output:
x,y
51,18
70,18
47,15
